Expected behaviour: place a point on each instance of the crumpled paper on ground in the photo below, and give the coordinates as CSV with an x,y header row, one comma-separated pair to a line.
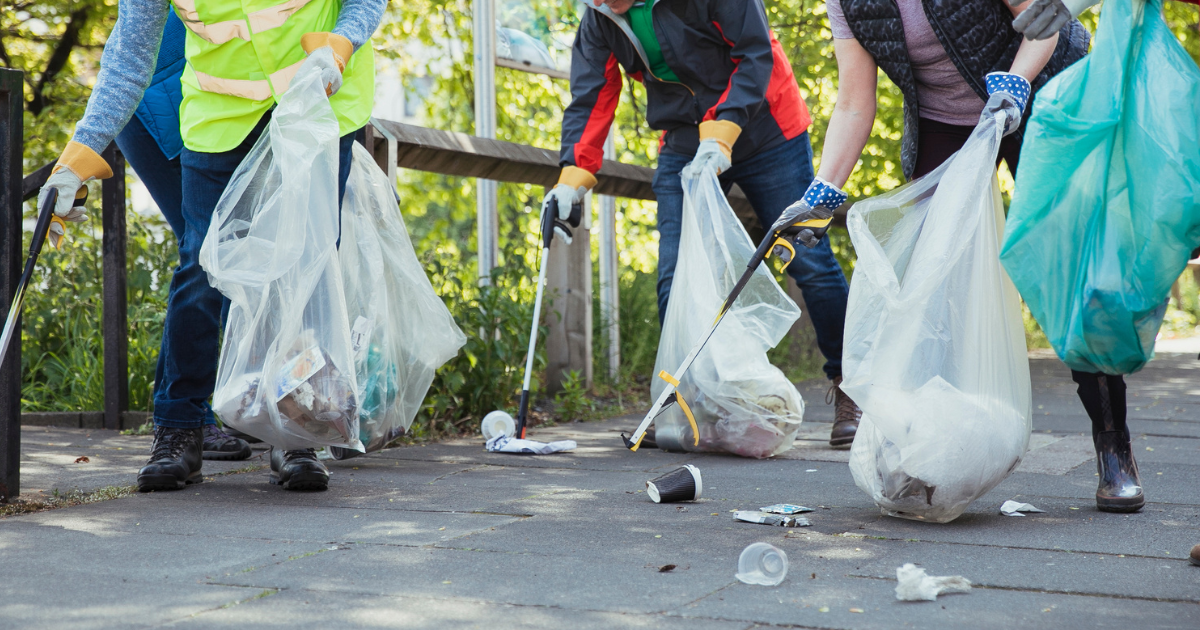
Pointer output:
x,y
505,444
1014,508
916,586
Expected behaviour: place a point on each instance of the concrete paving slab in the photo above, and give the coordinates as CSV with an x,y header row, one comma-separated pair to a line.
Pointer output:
x,y
94,604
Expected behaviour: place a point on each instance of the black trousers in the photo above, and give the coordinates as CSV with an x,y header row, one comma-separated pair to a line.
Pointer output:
x,y
937,141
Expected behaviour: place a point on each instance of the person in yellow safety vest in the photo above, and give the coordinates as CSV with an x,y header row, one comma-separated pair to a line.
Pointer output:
x,y
241,55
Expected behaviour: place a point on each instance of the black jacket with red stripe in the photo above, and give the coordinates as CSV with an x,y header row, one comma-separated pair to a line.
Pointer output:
x,y
729,63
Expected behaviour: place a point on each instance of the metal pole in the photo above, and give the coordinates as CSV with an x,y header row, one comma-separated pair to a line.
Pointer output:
x,y
116,322
12,105
486,215
610,317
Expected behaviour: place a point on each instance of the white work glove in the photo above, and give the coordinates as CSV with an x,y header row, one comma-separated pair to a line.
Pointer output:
x,y
710,154
77,165
1043,18
321,60
1008,93
562,209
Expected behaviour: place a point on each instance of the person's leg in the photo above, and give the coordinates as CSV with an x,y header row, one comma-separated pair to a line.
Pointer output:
x,y
668,190
163,178
1103,396
772,181
936,142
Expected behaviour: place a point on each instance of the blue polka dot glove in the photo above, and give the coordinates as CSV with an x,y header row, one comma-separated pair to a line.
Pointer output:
x,y
1008,93
807,220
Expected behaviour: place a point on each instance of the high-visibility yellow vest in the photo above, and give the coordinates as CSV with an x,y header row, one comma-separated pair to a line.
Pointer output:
x,y
241,56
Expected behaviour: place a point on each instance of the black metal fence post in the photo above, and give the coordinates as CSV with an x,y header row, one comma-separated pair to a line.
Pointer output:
x,y
116,321
12,111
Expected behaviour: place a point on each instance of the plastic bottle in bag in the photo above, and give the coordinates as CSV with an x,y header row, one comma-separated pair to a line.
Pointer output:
x,y
935,345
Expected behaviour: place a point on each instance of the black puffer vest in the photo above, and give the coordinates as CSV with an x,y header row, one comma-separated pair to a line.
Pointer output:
x,y
977,34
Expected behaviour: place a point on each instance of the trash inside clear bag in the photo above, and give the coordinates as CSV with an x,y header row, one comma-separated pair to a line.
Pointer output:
x,y
1105,213
286,373
742,404
400,330
935,345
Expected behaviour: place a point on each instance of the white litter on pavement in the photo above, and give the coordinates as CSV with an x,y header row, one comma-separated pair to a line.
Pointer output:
x,y
505,444
915,586
1014,508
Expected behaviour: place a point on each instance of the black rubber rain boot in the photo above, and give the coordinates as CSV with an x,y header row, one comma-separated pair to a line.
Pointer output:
x,y
219,445
845,416
1120,487
298,470
175,460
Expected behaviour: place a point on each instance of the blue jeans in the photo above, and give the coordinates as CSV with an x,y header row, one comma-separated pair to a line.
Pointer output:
x,y
191,333
772,180
163,178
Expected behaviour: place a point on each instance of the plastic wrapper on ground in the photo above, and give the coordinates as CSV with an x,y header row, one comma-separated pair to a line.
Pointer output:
x,y
1106,210
913,585
742,404
401,332
286,373
935,346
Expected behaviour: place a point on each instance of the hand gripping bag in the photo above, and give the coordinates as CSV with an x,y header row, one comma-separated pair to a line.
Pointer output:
x,y
934,346
286,373
400,330
741,403
1107,204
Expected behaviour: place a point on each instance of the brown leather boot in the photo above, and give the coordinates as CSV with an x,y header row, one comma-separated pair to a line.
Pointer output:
x,y
845,416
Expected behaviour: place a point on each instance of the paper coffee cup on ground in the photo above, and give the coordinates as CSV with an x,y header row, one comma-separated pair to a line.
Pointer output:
x,y
681,484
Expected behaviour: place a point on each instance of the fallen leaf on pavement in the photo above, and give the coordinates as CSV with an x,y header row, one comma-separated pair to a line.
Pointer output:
x,y
666,568
83,460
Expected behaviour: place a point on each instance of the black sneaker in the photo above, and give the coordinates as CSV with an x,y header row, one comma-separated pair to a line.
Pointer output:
x,y
298,470
175,460
219,445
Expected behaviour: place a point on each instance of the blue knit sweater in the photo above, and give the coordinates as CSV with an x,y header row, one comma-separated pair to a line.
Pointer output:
x,y
131,53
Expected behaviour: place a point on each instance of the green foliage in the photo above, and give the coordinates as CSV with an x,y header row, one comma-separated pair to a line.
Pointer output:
x,y
571,402
487,373
63,349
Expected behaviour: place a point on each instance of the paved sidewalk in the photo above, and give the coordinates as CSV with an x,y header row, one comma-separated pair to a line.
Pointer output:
x,y
447,535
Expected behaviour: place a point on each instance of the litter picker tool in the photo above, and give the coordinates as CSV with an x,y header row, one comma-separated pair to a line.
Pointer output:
x,y
40,230
778,237
550,223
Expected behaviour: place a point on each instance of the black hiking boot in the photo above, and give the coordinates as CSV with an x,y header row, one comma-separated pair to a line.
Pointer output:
x,y
845,416
245,437
298,470
175,460
219,445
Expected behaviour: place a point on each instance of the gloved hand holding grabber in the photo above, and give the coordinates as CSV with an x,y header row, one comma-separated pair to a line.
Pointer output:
x,y
806,221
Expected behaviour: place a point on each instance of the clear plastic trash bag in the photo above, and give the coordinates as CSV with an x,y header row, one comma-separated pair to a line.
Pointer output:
x,y
742,404
935,346
1107,204
400,330
286,373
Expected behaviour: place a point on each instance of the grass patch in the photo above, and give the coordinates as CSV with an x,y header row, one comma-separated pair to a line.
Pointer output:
x,y
61,500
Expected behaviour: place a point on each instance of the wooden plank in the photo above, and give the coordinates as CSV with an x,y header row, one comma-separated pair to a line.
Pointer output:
x,y
460,154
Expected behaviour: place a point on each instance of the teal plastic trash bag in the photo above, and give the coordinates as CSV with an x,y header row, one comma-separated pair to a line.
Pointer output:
x,y
1107,203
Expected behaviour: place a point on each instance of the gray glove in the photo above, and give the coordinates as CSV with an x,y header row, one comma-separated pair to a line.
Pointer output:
x,y
1043,18
562,209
